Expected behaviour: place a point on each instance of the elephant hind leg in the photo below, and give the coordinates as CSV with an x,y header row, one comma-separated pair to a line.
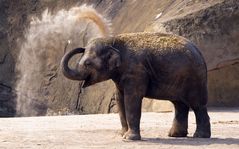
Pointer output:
x,y
180,122
198,101
203,129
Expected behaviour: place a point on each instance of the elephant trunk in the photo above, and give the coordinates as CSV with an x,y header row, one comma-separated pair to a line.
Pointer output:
x,y
67,72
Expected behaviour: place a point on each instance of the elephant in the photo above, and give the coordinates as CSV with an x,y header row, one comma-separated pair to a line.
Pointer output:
x,y
153,65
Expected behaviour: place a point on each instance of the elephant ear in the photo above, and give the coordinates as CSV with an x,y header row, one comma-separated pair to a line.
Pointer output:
x,y
114,59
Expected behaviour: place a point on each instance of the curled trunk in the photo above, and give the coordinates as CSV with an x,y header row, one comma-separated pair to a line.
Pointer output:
x,y
68,72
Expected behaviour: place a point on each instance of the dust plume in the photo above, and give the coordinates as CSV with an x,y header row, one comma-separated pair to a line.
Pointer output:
x,y
42,50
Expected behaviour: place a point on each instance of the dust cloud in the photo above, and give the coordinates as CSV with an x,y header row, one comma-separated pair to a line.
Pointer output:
x,y
42,50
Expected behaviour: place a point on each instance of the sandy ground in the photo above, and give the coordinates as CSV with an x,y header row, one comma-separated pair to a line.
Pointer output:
x,y
101,131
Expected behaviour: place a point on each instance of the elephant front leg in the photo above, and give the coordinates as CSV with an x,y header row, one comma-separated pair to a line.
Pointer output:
x,y
121,108
133,115
133,96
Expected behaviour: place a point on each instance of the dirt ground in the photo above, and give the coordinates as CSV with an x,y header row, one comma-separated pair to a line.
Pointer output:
x,y
101,131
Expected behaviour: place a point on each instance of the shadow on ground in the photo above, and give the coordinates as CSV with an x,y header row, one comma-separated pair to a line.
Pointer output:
x,y
192,141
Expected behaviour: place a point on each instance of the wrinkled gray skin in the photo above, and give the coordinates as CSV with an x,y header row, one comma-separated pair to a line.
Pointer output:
x,y
152,65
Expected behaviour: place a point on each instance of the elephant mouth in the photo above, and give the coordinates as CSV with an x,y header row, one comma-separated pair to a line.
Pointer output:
x,y
87,82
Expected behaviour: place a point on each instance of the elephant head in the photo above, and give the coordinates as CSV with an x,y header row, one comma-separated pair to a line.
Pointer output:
x,y
96,65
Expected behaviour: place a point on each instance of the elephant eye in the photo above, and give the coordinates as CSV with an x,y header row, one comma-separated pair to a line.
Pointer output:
x,y
87,63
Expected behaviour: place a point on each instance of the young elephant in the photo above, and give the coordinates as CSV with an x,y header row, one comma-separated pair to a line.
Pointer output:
x,y
153,65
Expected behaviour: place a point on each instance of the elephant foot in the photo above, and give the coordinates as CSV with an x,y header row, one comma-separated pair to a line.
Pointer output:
x,y
203,131
202,134
129,136
177,132
123,131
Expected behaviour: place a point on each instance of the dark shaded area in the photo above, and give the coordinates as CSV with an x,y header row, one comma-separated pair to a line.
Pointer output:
x,y
192,141
7,65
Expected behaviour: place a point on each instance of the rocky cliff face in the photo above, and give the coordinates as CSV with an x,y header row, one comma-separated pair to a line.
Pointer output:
x,y
211,24
215,31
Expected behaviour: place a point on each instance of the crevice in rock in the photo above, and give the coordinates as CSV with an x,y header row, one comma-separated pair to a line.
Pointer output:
x,y
100,104
4,87
4,59
54,76
224,64
112,104
78,97
98,2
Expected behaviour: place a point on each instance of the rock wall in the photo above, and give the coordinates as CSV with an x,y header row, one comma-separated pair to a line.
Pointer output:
x,y
211,24
215,31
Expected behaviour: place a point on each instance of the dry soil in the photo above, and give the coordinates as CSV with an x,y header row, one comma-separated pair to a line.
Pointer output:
x,y
101,131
